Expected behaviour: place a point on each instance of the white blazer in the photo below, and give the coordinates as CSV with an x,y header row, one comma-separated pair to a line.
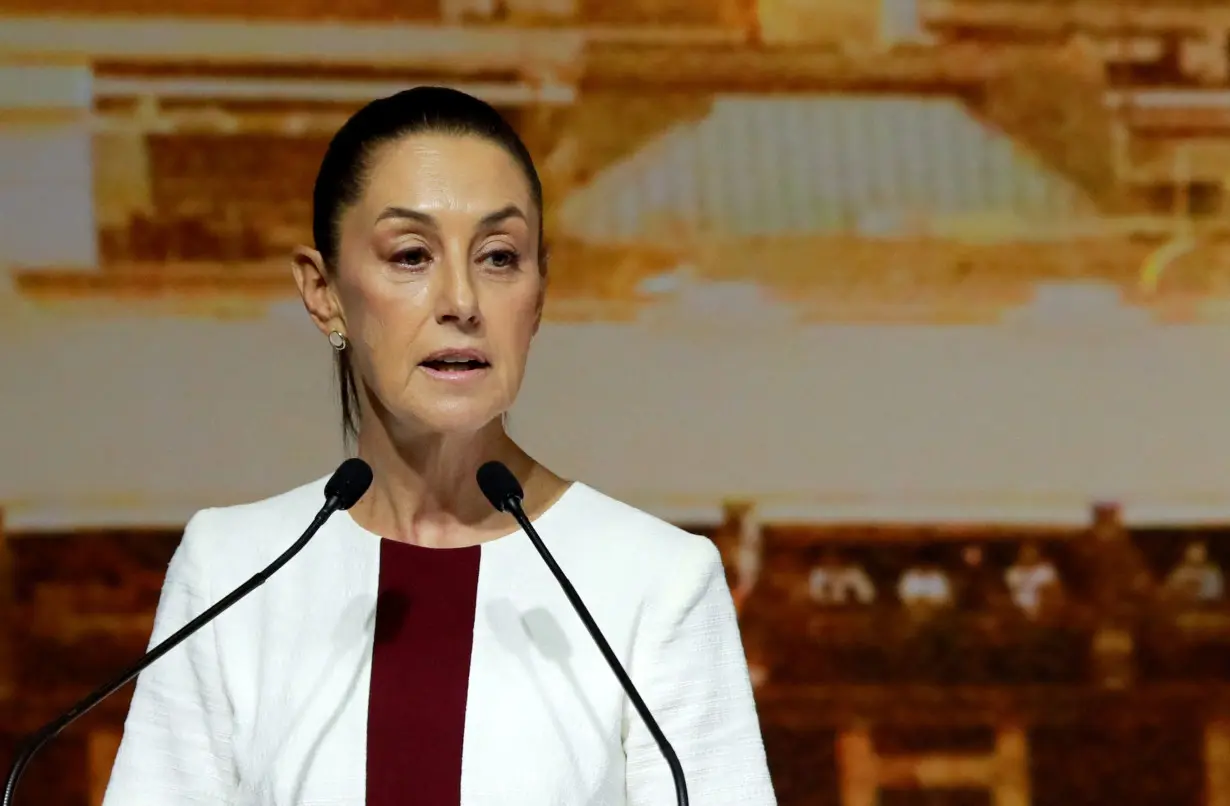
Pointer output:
x,y
269,705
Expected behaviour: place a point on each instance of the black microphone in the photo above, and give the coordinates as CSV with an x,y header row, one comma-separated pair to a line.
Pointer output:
x,y
505,494
345,487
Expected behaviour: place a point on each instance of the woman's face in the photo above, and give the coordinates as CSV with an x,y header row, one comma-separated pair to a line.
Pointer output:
x,y
438,287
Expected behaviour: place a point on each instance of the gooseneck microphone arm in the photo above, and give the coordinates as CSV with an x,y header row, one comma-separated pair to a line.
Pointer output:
x,y
504,492
345,487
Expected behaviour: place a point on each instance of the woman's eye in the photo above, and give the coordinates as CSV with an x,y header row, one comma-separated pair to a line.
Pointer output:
x,y
501,259
414,258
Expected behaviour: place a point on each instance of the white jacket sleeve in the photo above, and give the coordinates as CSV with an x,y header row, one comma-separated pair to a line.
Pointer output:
x,y
689,665
176,748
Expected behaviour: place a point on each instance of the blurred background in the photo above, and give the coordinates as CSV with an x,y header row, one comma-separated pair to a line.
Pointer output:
x,y
920,309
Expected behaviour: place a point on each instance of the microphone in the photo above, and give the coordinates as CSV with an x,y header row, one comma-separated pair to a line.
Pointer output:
x,y
347,485
504,492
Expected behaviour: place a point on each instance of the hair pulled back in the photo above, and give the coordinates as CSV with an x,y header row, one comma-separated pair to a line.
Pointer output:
x,y
344,172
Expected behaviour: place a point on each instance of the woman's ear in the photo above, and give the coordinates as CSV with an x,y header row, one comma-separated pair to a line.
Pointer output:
x,y
312,278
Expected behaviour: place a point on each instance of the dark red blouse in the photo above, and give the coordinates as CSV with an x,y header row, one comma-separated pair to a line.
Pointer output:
x,y
424,634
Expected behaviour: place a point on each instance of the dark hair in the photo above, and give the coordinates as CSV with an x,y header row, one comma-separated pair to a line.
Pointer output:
x,y
344,169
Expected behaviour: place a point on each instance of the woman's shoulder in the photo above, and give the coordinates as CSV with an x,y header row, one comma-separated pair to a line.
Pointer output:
x,y
611,529
636,565
246,528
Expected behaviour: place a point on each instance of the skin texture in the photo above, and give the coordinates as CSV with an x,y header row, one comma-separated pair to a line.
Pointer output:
x,y
440,252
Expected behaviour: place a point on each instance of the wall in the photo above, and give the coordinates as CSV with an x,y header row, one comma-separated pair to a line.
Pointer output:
x,y
156,416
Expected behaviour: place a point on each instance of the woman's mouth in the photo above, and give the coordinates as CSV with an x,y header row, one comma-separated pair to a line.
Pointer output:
x,y
458,365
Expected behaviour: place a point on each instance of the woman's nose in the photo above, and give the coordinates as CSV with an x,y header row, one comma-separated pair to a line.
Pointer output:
x,y
457,300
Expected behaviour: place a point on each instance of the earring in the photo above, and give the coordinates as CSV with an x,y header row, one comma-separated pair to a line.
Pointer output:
x,y
337,340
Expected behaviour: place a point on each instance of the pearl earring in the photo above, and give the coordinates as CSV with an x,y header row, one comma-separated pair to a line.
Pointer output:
x,y
337,340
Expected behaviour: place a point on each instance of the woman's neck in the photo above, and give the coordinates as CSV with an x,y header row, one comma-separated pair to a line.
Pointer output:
x,y
424,489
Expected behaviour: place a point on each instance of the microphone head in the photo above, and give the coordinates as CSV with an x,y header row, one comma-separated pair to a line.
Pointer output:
x,y
499,485
349,482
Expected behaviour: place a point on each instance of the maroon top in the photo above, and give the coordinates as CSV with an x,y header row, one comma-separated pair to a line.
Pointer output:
x,y
420,674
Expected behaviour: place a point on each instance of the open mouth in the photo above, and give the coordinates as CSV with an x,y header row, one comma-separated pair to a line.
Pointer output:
x,y
454,365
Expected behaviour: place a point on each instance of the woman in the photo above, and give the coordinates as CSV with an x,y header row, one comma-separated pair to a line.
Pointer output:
x,y
418,651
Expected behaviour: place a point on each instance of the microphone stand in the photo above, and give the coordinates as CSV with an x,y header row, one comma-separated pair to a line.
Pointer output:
x,y
48,732
512,504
